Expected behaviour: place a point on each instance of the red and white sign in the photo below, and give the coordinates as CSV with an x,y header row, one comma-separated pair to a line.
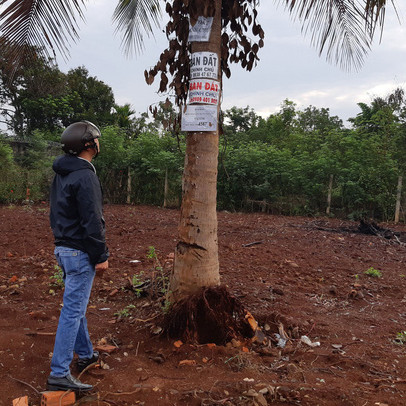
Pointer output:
x,y
204,91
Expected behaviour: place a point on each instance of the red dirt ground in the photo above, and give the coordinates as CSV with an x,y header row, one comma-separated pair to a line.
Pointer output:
x,y
306,277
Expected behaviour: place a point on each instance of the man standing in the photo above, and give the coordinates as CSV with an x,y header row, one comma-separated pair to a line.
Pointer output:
x,y
78,226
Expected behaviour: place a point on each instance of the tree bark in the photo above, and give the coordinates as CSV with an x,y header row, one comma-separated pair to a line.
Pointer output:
x,y
166,188
196,262
398,198
330,191
129,186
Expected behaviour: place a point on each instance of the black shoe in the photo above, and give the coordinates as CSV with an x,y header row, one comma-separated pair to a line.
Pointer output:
x,y
83,363
68,382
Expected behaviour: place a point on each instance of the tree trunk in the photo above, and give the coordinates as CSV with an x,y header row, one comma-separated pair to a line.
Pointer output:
x,y
129,186
398,198
330,191
166,188
196,262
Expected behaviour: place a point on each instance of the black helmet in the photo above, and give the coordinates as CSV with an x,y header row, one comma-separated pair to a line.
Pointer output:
x,y
76,135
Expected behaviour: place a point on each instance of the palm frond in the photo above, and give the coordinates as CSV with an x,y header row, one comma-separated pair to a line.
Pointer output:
x,y
133,19
41,24
343,29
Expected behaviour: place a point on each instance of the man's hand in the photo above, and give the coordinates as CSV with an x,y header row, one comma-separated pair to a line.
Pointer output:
x,y
100,268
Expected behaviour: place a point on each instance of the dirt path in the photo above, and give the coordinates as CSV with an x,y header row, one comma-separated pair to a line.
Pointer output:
x,y
300,278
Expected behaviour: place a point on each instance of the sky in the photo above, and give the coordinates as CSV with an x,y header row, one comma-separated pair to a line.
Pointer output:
x,y
289,66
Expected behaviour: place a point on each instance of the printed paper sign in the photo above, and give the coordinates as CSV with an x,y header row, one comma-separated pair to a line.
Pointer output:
x,y
204,65
200,118
200,32
204,91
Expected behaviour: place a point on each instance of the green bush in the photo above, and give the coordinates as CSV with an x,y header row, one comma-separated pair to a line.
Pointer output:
x,y
26,174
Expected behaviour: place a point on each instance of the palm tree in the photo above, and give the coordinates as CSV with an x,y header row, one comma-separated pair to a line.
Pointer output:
x,y
342,29
122,115
49,25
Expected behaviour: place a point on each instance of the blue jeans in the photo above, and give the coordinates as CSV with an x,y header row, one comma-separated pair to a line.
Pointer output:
x,y
72,335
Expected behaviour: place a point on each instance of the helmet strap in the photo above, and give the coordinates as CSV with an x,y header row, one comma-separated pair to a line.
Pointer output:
x,y
94,146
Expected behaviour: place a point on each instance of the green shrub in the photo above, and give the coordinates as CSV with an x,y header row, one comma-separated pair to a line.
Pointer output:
x,y
374,273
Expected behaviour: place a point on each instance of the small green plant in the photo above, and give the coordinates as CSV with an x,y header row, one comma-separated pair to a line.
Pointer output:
x,y
166,305
126,312
162,281
151,253
137,281
57,278
137,278
374,273
401,337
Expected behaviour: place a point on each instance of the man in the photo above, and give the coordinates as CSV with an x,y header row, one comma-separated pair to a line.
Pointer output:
x,y
80,248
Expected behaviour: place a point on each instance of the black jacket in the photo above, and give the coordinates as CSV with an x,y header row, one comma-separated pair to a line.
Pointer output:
x,y
77,208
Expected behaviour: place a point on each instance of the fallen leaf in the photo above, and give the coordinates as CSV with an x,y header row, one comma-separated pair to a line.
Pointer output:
x,y
252,322
106,348
187,362
156,330
23,401
235,343
251,393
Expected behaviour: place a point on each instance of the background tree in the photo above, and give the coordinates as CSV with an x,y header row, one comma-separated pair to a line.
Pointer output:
x,y
240,119
36,98
41,97
92,99
122,115
313,118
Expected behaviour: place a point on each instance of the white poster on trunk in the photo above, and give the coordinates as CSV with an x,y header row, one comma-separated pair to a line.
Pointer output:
x,y
204,65
200,32
199,118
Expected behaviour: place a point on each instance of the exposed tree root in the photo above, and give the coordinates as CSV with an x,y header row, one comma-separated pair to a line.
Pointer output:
x,y
211,315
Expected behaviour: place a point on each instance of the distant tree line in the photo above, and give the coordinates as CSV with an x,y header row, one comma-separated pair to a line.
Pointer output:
x,y
307,163
294,162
